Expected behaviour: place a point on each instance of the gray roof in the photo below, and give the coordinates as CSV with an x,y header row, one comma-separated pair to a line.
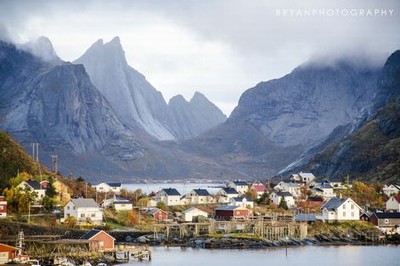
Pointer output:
x,y
153,211
305,217
226,208
192,209
240,183
34,184
334,203
241,198
93,233
306,175
114,184
202,192
387,215
84,203
230,190
171,192
284,194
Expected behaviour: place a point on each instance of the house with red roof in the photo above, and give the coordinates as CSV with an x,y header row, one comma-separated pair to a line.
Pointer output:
x,y
393,204
259,188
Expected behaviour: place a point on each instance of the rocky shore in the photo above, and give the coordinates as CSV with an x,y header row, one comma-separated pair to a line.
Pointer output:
x,y
234,242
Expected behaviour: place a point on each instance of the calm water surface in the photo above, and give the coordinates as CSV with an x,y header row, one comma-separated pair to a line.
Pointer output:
x,y
299,256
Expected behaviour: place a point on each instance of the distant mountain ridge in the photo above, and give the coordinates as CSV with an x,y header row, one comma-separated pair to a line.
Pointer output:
x,y
278,120
137,102
59,105
372,150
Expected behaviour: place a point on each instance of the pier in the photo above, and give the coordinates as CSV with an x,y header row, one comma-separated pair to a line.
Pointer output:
x,y
265,229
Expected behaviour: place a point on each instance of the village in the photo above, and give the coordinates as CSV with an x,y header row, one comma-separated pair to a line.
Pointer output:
x,y
288,209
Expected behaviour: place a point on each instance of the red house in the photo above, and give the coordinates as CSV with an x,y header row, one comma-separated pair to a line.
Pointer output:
x,y
227,212
3,207
315,201
7,253
103,240
158,214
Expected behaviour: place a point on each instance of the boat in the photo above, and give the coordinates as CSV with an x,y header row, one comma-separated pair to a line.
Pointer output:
x,y
32,262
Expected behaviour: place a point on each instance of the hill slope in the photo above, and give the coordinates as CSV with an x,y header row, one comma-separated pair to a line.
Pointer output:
x,y
373,151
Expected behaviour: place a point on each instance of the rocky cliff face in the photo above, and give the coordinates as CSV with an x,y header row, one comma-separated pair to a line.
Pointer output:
x,y
59,108
276,121
137,102
134,99
306,105
196,116
373,150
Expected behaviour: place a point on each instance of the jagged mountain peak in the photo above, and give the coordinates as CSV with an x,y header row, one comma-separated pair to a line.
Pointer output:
x,y
43,48
177,99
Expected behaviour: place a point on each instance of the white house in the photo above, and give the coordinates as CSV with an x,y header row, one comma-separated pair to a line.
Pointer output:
x,y
302,177
119,203
225,194
392,189
240,186
170,196
192,214
242,202
109,187
199,196
34,186
324,190
277,196
393,204
84,211
343,209
292,188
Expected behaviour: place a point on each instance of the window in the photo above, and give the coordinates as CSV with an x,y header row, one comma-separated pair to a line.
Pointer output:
x,y
352,213
344,206
93,215
352,206
344,214
82,215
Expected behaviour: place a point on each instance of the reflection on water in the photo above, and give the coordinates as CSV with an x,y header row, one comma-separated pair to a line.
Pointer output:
x,y
299,256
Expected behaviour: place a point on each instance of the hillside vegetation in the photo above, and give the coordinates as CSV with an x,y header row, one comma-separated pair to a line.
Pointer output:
x,y
14,160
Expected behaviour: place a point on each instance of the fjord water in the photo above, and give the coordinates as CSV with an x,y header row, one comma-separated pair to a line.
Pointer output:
x,y
299,256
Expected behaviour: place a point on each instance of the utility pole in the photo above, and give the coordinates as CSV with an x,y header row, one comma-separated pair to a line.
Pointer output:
x,y
54,163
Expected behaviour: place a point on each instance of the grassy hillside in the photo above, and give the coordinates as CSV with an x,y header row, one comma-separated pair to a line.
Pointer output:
x,y
13,159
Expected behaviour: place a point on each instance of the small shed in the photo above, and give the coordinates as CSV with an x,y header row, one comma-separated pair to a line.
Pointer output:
x,y
105,241
7,253
227,212
158,214
192,214
386,219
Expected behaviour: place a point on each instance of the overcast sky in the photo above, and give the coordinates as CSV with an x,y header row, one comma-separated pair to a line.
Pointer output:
x,y
217,47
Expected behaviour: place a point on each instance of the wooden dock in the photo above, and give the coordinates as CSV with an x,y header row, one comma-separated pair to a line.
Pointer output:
x,y
270,230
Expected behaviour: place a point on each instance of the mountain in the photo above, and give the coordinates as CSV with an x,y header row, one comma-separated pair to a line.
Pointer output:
x,y
58,107
195,116
137,102
372,151
276,121
42,48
